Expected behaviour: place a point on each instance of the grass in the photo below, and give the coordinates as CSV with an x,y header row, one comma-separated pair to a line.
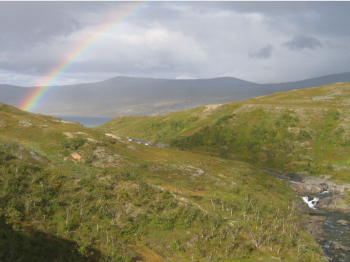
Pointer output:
x,y
146,203
304,130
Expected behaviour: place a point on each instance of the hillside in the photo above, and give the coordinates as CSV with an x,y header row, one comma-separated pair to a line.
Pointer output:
x,y
305,130
71,193
149,96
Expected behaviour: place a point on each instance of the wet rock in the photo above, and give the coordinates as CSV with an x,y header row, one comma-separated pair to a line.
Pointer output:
x,y
343,222
336,203
318,185
338,245
314,226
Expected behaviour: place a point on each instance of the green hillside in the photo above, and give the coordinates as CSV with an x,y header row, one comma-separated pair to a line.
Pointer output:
x,y
305,130
69,193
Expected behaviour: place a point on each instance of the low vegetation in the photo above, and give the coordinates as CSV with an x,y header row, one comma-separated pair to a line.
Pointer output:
x,y
303,130
69,193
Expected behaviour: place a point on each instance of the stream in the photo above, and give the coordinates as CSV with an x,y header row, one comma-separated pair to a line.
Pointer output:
x,y
336,240
331,230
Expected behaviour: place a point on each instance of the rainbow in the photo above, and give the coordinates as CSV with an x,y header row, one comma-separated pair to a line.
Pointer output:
x,y
40,90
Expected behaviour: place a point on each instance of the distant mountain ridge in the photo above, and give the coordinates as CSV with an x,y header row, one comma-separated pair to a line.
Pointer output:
x,y
151,96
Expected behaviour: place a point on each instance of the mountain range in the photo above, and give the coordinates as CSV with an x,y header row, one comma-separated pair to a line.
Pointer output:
x,y
150,96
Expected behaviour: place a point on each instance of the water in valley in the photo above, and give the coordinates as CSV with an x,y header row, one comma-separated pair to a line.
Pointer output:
x,y
336,226
87,121
335,240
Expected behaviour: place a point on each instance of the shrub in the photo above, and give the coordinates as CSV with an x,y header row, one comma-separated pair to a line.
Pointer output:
x,y
73,143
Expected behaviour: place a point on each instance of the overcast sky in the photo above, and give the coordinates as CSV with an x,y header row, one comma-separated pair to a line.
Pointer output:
x,y
262,42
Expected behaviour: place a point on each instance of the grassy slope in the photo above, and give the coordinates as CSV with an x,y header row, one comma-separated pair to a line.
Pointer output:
x,y
122,201
301,130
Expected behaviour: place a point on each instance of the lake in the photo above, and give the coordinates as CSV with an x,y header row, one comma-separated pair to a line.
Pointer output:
x,y
87,121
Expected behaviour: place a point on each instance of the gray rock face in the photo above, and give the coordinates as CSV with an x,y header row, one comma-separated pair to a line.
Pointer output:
x,y
343,222
338,245
319,185
337,201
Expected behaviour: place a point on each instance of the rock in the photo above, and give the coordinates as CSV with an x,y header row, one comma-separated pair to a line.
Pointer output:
x,y
104,158
113,136
24,123
80,133
68,134
303,173
76,156
35,156
314,226
343,222
318,185
338,245
336,203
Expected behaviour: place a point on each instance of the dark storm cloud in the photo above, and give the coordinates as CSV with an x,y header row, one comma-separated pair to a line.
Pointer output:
x,y
300,42
23,24
263,53
324,18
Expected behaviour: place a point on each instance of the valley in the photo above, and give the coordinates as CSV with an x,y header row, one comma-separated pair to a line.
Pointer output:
x,y
174,131
301,134
75,193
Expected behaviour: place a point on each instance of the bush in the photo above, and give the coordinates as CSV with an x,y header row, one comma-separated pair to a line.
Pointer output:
x,y
73,143
334,114
303,135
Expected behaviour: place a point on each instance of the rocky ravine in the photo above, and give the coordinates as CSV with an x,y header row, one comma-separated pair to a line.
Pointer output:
x,y
329,222
337,198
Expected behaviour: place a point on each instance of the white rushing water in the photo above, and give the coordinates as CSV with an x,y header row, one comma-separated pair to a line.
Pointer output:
x,y
311,203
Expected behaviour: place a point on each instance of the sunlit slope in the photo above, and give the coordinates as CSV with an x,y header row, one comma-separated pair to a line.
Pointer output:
x,y
99,197
301,130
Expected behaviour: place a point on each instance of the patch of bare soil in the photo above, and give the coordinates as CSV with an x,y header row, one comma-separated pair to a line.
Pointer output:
x,y
210,108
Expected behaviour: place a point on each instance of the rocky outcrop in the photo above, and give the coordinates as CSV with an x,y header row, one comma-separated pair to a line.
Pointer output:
x,y
319,185
333,197
343,222
336,201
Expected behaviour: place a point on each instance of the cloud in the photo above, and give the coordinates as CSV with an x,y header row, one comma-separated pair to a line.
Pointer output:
x,y
175,39
300,42
263,53
181,77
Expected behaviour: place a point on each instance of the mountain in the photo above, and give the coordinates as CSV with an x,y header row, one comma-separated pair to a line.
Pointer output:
x,y
149,96
70,193
13,95
317,81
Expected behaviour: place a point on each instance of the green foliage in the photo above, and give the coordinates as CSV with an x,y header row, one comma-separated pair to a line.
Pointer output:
x,y
213,135
303,135
73,143
287,117
152,202
335,114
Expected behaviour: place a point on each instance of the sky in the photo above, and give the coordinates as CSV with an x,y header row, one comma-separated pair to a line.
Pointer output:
x,y
262,42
